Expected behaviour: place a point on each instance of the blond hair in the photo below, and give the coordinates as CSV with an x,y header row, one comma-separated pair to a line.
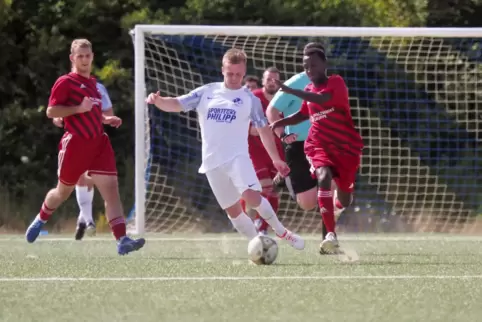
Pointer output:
x,y
235,56
80,43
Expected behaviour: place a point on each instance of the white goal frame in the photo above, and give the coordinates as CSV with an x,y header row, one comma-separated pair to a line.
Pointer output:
x,y
140,31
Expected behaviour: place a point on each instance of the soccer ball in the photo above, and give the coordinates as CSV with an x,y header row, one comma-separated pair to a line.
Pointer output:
x,y
262,250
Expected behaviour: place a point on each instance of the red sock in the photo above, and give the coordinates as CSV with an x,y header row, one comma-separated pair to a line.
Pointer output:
x,y
243,204
325,201
118,227
338,204
274,202
45,212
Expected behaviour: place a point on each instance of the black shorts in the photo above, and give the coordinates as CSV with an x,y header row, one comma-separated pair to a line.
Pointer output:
x,y
300,174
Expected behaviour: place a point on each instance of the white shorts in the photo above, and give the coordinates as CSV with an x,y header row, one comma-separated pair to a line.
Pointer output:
x,y
231,179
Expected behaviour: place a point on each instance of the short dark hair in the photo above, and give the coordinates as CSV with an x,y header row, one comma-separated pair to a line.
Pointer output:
x,y
272,69
315,48
251,78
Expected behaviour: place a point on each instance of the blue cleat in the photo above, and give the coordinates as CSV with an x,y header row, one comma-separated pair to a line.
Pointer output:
x,y
127,245
34,229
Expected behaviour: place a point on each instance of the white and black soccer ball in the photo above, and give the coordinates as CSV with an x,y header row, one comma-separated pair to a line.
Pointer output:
x,y
262,250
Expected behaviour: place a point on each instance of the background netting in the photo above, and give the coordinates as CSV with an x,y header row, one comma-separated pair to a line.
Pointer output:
x,y
415,100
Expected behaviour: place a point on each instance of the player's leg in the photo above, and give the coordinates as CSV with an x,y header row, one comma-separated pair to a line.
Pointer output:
x,y
262,165
324,176
104,175
84,192
345,181
264,176
339,206
268,192
302,183
244,178
71,165
228,199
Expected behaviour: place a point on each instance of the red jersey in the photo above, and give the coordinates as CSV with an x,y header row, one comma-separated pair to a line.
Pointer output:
x,y
332,126
254,142
70,90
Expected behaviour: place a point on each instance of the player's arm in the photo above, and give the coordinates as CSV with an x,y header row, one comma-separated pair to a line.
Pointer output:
x,y
280,102
302,115
179,104
336,90
259,121
59,97
317,98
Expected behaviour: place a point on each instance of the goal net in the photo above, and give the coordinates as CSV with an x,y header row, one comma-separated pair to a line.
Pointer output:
x,y
415,96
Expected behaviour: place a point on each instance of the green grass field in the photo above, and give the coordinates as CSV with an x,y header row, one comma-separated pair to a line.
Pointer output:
x,y
208,278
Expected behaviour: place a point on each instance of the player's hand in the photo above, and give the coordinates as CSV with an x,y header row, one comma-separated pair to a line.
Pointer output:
x,y
58,122
282,86
282,167
86,105
290,138
275,125
113,121
151,99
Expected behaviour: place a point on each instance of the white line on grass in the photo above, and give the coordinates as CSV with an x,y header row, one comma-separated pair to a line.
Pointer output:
x,y
235,278
223,238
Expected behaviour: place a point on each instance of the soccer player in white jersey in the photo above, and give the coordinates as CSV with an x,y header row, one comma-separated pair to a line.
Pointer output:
x,y
84,189
225,110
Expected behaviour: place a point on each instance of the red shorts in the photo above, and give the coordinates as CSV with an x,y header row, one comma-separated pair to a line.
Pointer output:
x,y
78,155
262,163
344,166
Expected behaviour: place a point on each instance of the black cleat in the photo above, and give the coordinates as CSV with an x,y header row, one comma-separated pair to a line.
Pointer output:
x,y
80,231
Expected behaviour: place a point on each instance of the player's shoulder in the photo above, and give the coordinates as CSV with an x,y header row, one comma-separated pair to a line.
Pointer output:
x,y
63,81
252,94
336,79
101,87
257,92
63,78
211,87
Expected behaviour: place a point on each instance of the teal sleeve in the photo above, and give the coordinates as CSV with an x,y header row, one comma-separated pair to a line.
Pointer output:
x,y
282,101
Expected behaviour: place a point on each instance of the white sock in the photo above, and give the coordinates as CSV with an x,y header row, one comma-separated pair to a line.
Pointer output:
x,y
244,225
84,200
267,213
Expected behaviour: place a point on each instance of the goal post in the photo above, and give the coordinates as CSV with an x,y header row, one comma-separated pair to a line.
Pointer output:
x,y
415,95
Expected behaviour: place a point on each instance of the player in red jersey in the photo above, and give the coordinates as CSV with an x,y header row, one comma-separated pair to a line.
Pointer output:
x,y
263,165
251,82
84,147
333,146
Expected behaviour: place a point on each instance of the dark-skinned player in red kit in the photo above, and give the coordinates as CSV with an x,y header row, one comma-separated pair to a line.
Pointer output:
x,y
334,146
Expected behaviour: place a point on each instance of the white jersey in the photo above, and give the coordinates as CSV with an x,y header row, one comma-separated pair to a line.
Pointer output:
x,y
106,102
224,117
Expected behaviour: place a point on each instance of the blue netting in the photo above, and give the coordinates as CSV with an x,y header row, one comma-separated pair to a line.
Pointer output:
x,y
418,114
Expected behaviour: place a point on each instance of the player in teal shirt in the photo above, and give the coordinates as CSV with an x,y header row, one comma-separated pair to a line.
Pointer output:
x,y
301,184
289,104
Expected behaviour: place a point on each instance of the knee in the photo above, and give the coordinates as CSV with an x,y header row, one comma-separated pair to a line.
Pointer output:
x,y
252,198
307,205
324,177
345,198
307,200
268,191
62,191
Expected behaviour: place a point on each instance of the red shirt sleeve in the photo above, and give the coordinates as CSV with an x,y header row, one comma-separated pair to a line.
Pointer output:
x,y
59,94
339,92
